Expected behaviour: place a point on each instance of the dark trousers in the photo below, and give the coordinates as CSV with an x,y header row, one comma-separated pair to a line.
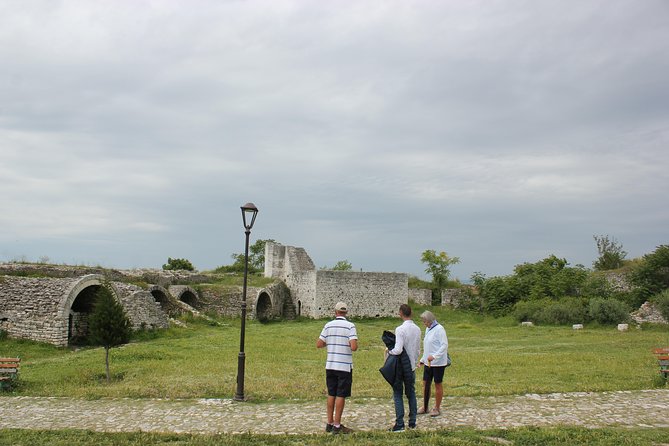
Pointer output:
x,y
406,385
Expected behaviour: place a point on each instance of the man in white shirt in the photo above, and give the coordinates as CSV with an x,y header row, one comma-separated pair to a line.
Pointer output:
x,y
407,338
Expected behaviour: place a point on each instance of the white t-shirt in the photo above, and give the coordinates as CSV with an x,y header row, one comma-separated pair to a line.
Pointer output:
x,y
337,335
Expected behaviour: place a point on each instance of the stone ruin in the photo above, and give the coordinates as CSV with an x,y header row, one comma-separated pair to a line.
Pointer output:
x,y
314,293
51,303
648,313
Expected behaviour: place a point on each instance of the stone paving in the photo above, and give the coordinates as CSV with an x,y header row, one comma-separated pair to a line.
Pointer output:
x,y
645,408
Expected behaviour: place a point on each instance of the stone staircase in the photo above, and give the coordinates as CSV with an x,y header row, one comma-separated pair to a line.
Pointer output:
x,y
289,312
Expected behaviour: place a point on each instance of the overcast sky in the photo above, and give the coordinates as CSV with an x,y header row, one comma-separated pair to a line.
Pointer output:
x,y
498,131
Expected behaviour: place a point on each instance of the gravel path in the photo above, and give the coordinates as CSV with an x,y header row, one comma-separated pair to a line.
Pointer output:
x,y
645,408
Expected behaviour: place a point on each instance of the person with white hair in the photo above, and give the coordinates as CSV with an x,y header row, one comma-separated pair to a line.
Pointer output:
x,y
435,361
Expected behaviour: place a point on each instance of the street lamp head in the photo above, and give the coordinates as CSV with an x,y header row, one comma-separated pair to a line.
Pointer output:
x,y
249,212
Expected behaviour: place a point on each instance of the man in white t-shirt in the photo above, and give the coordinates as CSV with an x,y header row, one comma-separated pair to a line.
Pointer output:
x,y
341,339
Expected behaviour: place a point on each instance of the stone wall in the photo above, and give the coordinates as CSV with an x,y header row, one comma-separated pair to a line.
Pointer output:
x,y
227,301
452,296
55,309
144,312
619,281
140,307
302,286
366,294
152,276
30,308
315,292
421,296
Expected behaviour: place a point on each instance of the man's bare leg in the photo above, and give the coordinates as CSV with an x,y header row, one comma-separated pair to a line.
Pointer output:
x,y
338,409
331,409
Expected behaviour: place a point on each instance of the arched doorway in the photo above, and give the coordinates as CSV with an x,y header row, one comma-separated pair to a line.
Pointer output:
x,y
185,294
76,306
160,295
264,307
82,307
188,297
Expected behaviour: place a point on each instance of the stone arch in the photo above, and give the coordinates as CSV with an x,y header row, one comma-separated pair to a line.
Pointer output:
x,y
263,306
77,305
186,295
162,296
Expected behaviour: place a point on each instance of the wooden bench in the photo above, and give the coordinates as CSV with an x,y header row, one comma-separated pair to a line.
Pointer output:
x,y
9,371
662,355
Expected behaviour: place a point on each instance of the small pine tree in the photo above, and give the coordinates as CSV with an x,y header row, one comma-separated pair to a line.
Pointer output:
x,y
108,324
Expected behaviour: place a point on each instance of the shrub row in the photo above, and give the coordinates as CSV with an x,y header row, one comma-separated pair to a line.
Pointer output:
x,y
572,310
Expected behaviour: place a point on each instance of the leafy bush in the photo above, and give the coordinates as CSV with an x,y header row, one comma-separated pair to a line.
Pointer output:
x,y
415,282
661,302
528,310
652,274
470,300
596,285
178,264
608,311
569,310
564,312
3,335
498,294
550,278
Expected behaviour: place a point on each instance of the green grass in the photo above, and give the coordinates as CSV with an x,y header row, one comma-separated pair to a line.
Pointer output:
x,y
237,279
490,357
455,437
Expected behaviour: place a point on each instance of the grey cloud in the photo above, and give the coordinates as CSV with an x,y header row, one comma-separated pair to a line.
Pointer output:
x,y
498,131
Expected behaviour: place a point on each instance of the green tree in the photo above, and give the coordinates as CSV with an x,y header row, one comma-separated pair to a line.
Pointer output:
x,y
549,279
256,259
108,324
342,265
611,253
178,264
438,266
652,273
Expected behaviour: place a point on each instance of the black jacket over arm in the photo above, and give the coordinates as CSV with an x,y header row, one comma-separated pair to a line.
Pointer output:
x,y
396,367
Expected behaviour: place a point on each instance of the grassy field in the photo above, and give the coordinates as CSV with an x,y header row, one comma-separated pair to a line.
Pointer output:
x,y
490,357
455,437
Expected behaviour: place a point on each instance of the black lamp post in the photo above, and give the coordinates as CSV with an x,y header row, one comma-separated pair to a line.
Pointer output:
x,y
249,212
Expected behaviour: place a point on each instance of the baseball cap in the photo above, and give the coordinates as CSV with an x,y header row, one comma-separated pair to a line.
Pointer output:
x,y
341,306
